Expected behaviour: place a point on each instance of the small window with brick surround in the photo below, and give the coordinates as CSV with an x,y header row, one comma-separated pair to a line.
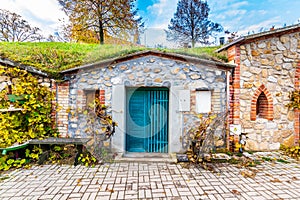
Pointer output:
x,y
92,95
262,104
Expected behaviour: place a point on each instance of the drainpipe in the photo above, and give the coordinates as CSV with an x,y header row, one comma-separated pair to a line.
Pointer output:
x,y
228,107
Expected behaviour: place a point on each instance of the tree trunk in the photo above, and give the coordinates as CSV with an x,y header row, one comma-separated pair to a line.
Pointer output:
x,y
101,32
193,43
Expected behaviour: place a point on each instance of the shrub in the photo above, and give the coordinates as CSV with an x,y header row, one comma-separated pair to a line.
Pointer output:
x,y
34,120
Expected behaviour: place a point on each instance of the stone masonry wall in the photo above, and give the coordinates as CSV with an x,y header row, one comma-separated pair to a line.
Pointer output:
x,y
149,71
269,64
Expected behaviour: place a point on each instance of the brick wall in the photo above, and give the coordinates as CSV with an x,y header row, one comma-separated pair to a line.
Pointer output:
x,y
234,56
297,111
102,97
62,98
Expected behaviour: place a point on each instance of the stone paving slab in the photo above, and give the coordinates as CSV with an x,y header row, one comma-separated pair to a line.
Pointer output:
x,y
137,180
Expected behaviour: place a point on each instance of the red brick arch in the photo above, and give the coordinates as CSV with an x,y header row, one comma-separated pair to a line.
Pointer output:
x,y
262,97
297,111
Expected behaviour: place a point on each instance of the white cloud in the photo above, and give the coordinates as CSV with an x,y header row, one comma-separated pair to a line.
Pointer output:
x,y
230,13
41,13
265,25
217,5
162,12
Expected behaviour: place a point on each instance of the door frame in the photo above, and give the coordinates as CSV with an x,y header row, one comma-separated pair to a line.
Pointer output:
x,y
144,88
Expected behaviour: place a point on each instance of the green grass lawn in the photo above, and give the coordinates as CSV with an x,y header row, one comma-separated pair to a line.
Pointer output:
x,y
53,57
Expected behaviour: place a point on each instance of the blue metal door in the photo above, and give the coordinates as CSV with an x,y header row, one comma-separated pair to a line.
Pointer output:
x,y
147,120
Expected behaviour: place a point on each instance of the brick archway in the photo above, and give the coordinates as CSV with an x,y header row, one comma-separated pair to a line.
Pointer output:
x,y
297,111
262,102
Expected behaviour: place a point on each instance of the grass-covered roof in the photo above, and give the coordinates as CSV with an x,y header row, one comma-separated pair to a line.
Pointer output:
x,y
53,57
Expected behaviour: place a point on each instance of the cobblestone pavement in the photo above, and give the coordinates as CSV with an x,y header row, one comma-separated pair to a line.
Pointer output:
x,y
136,180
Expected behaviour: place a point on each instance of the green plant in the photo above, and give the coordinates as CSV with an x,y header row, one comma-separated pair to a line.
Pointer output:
x,y
266,159
87,159
294,99
53,57
282,161
34,153
293,152
34,120
99,126
7,162
197,135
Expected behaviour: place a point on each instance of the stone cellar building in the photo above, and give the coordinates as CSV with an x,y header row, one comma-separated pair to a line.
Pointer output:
x,y
155,96
267,70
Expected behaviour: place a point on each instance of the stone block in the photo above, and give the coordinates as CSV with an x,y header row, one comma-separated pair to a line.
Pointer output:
x,y
175,71
123,67
146,70
195,76
274,146
264,146
158,80
284,39
271,125
248,85
254,53
290,141
291,115
262,45
264,73
247,74
272,79
157,70
279,58
280,46
182,77
286,133
251,145
264,62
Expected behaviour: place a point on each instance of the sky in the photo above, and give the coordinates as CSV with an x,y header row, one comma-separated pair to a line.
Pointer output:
x,y
241,16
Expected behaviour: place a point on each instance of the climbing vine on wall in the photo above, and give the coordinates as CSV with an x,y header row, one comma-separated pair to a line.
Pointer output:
x,y
34,101
294,99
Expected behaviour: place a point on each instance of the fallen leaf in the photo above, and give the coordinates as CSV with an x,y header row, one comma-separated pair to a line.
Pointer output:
x,y
235,192
248,174
269,175
109,190
294,178
275,180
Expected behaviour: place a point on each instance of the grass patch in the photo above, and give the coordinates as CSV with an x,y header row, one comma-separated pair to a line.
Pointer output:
x,y
266,159
2,178
53,57
282,161
201,52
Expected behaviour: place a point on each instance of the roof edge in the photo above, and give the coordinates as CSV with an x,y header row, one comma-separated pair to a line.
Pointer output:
x,y
139,54
258,35
230,44
25,67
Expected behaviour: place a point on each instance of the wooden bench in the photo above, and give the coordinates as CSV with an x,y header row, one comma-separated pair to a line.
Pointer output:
x,y
79,142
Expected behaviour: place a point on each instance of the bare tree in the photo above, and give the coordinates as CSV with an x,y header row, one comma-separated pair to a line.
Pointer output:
x,y
15,29
190,23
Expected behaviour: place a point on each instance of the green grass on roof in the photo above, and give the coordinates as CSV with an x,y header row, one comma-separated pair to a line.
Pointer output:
x,y
201,52
53,57
57,56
